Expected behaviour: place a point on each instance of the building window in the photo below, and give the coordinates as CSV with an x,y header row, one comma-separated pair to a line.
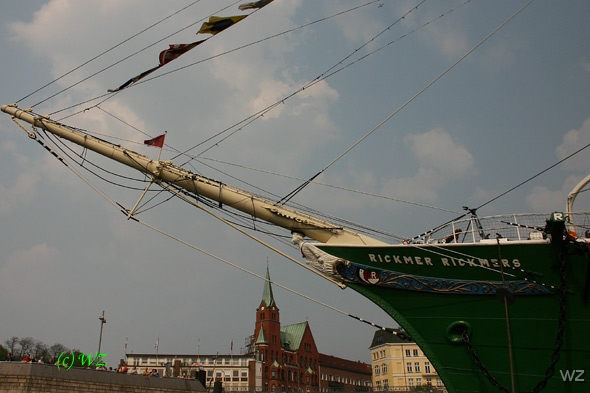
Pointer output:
x,y
377,370
418,381
411,382
416,353
409,367
385,384
427,367
417,367
408,353
384,368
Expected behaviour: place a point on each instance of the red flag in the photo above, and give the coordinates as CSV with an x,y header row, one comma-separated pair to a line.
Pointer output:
x,y
157,141
175,51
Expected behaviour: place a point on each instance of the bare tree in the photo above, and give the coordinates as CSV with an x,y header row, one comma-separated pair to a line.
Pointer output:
x,y
40,350
26,346
11,345
56,349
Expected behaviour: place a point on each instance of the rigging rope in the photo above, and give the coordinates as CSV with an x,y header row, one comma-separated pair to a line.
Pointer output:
x,y
433,248
127,57
261,277
292,194
175,193
109,95
250,119
107,51
534,176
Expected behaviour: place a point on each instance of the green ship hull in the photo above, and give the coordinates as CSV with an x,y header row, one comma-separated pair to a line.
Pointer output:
x,y
489,315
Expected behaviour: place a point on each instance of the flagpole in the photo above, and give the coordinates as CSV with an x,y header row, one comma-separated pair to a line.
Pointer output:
x,y
132,211
161,147
157,348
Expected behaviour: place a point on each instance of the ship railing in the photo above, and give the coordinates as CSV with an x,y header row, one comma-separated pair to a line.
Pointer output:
x,y
503,228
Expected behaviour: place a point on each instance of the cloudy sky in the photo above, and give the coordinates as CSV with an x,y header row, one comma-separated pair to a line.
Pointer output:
x,y
512,108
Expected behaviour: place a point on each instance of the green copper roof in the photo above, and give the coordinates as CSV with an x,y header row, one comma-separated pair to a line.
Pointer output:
x,y
261,339
267,295
291,335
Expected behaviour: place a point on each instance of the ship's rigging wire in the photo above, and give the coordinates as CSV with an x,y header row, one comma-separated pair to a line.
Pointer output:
x,y
324,75
307,297
535,176
244,219
66,150
448,69
107,51
264,278
183,195
109,95
433,249
400,237
129,56
395,112
319,78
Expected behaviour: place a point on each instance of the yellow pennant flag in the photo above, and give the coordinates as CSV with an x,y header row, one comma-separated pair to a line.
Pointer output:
x,y
219,23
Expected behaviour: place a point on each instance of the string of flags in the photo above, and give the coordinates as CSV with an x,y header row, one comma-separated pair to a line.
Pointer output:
x,y
214,25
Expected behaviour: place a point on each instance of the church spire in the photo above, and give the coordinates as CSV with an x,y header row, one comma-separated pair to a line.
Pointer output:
x,y
267,296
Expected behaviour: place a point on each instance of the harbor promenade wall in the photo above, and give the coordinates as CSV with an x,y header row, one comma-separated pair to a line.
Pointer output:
x,y
16,377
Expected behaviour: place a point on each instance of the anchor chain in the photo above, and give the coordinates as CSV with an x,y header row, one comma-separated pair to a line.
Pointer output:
x,y
550,371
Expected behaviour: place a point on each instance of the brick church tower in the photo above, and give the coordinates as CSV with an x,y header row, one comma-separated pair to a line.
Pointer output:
x,y
290,359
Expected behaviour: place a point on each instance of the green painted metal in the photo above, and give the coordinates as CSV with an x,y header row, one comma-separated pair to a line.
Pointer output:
x,y
436,321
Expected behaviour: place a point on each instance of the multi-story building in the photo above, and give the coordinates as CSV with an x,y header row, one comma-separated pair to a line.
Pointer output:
x,y
342,375
399,364
276,359
236,372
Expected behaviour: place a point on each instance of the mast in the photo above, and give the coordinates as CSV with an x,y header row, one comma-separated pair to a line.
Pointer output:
x,y
164,171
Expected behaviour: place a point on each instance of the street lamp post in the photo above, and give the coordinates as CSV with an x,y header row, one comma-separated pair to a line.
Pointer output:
x,y
103,320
